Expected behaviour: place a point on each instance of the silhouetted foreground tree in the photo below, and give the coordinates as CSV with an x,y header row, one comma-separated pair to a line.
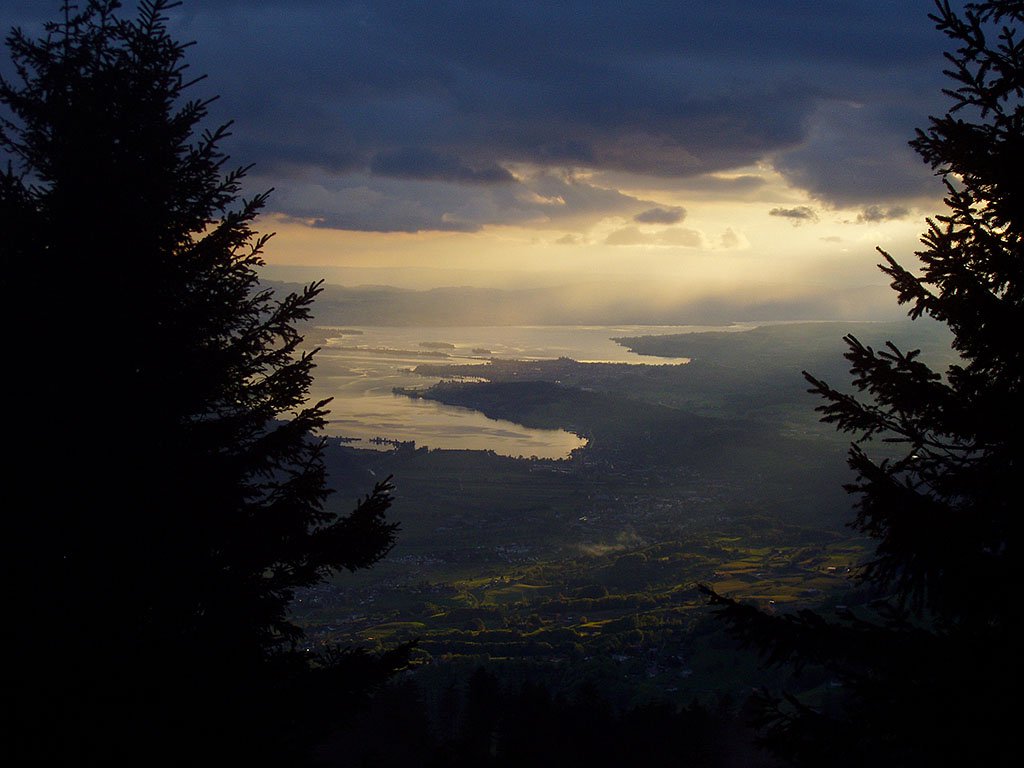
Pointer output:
x,y
933,671
169,485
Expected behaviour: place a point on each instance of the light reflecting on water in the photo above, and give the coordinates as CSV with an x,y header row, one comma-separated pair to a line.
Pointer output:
x,y
359,372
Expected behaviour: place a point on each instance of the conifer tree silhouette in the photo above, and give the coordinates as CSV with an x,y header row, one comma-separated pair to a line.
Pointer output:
x,y
169,482
931,671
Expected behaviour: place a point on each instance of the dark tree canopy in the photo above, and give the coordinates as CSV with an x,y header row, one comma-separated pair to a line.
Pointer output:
x,y
169,482
932,671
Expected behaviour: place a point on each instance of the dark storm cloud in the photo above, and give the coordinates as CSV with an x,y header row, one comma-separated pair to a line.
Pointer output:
x,y
703,186
798,215
412,163
672,215
382,204
455,93
857,153
876,213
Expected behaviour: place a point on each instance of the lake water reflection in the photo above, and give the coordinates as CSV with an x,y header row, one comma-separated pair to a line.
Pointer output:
x,y
360,369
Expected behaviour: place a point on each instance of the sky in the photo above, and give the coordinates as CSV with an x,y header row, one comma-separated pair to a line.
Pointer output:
x,y
718,145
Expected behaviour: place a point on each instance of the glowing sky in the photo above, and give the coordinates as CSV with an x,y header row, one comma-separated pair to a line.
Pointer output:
x,y
720,142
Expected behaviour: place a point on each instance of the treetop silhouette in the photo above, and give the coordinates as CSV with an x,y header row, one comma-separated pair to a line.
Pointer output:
x,y
930,669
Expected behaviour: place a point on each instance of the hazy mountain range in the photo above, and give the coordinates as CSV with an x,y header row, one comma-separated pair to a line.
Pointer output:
x,y
598,303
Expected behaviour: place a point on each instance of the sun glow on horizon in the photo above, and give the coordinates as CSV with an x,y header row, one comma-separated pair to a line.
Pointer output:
x,y
708,239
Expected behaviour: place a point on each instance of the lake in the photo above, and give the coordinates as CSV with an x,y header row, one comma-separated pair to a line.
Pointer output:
x,y
360,366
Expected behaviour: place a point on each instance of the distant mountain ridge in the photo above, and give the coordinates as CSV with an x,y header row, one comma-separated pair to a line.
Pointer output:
x,y
591,304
